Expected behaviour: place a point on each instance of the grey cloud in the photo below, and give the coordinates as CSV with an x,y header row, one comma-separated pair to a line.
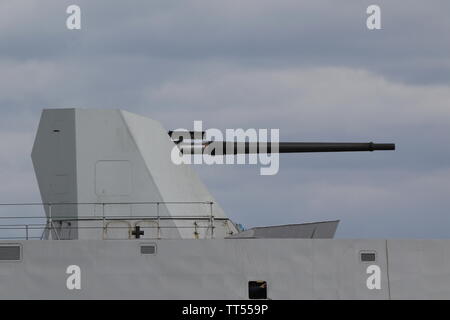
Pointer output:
x,y
286,33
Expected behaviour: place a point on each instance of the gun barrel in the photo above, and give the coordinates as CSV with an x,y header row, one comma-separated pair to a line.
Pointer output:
x,y
224,147
291,147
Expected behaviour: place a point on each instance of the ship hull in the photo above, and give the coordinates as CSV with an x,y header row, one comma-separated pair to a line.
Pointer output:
x,y
222,269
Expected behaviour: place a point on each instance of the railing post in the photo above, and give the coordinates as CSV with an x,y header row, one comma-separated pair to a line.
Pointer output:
x,y
212,220
50,222
26,231
159,220
195,230
103,218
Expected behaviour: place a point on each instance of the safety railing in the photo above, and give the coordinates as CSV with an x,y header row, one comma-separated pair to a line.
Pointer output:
x,y
61,219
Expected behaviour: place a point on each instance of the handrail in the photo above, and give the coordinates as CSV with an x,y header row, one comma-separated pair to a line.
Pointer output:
x,y
102,203
84,218
45,226
51,220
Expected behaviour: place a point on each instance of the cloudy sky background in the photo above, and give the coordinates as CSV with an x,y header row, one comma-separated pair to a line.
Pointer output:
x,y
309,68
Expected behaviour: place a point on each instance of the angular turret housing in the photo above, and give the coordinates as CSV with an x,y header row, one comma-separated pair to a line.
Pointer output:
x,y
102,173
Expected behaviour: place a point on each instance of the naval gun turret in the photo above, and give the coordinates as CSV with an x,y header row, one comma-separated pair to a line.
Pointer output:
x,y
108,174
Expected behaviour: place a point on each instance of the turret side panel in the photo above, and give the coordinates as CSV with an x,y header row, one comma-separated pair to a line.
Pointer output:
x,y
54,161
176,183
111,170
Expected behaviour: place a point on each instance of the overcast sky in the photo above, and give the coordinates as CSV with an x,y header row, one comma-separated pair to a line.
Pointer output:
x,y
310,68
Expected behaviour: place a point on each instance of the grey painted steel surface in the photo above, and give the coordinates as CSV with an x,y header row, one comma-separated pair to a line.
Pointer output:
x,y
314,230
221,269
422,268
113,156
